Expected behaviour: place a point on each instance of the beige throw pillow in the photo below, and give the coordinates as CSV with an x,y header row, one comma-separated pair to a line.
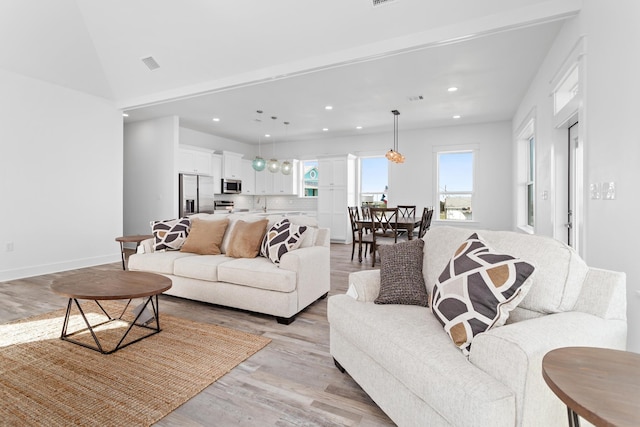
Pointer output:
x,y
205,237
246,238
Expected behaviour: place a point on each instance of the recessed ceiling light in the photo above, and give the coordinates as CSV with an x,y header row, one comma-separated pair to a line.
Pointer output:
x,y
328,107
456,116
125,115
452,89
266,135
216,119
325,129
358,127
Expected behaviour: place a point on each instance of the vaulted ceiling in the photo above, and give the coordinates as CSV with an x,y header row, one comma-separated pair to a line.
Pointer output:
x,y
289,58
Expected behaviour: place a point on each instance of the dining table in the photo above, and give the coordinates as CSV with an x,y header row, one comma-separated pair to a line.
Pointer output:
x,y
404,223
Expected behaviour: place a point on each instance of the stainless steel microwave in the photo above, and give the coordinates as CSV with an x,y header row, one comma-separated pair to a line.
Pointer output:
x,y
231,186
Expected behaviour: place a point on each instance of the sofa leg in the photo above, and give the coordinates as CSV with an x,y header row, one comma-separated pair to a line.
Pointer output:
x,y
323,296
285,320
339,366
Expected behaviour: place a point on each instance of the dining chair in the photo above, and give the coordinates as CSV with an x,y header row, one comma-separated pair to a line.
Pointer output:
x,y
425,222
384,229
366,240
406,211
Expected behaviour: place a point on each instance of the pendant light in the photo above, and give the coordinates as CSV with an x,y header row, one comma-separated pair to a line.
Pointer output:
x,y
259,163
286,166
393,154
273,165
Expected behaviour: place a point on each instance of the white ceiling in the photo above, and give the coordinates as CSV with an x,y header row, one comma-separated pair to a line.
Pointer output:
x,y
289,58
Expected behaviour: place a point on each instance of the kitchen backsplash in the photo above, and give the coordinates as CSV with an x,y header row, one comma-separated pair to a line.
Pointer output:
x,y
292,203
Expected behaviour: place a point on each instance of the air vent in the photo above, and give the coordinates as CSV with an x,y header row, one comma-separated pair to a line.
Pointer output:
x,y
416,98
150,63
378,3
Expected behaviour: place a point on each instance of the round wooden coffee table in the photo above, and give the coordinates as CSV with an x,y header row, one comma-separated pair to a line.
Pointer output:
x,y
599,384
112,285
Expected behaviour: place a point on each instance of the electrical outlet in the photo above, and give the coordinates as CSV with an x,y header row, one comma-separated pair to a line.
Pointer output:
x,y
9,246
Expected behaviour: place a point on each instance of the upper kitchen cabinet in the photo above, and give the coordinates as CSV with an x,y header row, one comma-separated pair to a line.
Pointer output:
x,y
194,160
231,165
270,184
248,177
216,165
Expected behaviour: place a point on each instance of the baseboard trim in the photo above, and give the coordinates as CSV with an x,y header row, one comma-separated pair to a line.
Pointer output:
x,y
37,270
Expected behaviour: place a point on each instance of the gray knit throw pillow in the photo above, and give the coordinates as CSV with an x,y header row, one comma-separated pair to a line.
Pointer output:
x,y
401,280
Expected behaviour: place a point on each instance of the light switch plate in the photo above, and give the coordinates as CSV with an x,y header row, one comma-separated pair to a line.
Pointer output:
x,y
609,190
594,191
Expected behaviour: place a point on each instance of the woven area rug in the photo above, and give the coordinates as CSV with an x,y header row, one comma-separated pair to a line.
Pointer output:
x,y
47,381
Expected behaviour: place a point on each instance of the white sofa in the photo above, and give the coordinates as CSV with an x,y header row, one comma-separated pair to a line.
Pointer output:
x,y
253,284
402,357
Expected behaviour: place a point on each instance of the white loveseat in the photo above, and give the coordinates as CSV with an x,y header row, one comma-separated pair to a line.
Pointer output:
x,y
402,357
253,284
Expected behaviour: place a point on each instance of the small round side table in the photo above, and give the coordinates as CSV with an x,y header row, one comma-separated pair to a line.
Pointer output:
x,y
131,239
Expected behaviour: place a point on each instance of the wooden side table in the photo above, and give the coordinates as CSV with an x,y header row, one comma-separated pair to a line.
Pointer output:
x,y
131,239
599,384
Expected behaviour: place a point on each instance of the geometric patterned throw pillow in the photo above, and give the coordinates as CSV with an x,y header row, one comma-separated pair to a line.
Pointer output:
x,y
281,238
477,290
170,234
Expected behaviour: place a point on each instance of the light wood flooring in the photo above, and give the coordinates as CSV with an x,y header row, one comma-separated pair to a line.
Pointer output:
x,y
291,382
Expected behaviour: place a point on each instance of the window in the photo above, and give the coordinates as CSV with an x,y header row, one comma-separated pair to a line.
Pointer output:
x,y
309,178
526,175
531,167
455,185
373,180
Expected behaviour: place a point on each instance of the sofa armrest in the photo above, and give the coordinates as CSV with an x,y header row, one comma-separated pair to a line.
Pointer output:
x,y
313,272
364,285
146,246
513,354
604,294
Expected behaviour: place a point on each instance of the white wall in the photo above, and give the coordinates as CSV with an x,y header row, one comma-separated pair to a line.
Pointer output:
x,y
60,178
550,142
217,143
413,181
150,173
611,139
613,145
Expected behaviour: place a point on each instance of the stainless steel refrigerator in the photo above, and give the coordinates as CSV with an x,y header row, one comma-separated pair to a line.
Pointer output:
x,y
195,194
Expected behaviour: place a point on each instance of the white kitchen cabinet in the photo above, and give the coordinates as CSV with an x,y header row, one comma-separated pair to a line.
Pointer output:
x,y
336,191
231,165
194,160
278,184
216,166
248,177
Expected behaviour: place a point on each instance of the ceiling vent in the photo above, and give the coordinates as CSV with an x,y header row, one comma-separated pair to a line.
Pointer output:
x,y
150,63
378,3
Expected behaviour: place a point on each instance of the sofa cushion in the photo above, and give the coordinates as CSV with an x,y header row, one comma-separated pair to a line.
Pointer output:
x,y
203,267
157,262
205,237
401,280
257,273
170,234
246,238
559,275
477,290
281,238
